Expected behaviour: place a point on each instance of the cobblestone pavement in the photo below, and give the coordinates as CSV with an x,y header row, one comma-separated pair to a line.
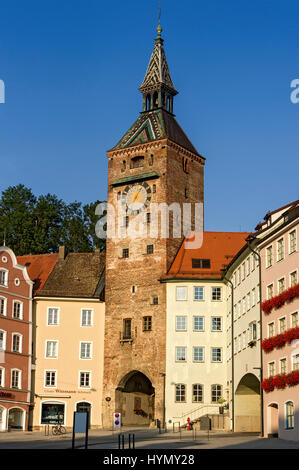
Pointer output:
x,y
145,439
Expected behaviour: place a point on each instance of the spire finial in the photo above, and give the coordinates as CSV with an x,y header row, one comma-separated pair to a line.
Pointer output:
x,y
159,28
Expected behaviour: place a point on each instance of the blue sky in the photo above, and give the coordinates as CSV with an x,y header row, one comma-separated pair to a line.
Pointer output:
x,y
72,69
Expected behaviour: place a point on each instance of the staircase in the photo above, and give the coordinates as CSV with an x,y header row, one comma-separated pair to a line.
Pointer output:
x,y
218,421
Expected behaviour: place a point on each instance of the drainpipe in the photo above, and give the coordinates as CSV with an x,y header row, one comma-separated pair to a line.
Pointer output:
x,y
163,418
232,348
249,239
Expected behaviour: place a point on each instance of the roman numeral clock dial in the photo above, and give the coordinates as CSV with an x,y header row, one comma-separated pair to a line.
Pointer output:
x,y
136,198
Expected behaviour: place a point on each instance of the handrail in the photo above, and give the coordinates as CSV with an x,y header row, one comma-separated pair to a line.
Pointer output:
x,y
211,405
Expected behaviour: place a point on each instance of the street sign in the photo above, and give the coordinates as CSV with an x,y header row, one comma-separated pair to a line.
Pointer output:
x,y
117,420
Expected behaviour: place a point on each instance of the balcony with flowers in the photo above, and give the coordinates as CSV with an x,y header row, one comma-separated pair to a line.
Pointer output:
x,y
281,381
279,300
280,340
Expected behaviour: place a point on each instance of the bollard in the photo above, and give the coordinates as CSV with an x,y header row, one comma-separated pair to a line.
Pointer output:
x,y
129,441
123,441
133,441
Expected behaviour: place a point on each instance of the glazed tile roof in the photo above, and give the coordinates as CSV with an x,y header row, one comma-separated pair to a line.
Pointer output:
x,y
39,268
78,275
155,125
218,247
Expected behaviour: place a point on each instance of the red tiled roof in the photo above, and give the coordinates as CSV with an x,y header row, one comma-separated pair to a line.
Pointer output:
x,y
39,267
218,247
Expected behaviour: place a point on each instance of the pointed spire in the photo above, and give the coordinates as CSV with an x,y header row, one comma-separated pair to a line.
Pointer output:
x,y
157,79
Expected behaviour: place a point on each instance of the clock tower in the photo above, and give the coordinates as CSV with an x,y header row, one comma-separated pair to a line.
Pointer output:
x,y
153,164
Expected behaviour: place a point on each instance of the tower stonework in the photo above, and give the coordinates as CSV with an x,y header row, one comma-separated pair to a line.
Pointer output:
x,y
154,162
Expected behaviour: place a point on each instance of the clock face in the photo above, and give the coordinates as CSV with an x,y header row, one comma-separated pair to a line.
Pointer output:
x,y
137,198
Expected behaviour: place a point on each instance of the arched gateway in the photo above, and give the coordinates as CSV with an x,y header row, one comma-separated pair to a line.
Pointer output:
x,y
247,404
134,399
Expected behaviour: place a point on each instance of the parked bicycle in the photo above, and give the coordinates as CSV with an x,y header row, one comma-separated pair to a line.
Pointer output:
x,y
58,429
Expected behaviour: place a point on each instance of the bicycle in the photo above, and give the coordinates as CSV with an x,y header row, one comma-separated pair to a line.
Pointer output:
x,y
58,429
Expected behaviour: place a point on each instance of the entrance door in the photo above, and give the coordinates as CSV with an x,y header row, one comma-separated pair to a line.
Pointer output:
x,y
273,420
2,419
83,406
16,418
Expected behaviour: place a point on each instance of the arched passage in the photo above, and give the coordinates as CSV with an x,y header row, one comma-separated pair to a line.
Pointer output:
x,y
272,420
16,418
134,399
247,404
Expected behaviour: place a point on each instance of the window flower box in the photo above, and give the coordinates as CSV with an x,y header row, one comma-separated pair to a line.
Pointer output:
x,y
279,300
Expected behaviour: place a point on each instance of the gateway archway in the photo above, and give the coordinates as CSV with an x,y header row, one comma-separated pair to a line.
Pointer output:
x,y
134,398
247,404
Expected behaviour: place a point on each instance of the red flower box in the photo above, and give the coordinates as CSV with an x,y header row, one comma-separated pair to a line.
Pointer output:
x,y
277,301
278,341
280,381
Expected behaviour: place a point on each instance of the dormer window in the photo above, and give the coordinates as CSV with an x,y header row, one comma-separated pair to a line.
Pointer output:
x,y
137,162
3,277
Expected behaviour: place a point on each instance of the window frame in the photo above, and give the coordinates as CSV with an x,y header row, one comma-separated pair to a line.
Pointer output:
x,y
45,378
221,354
203,293
212,292
89,358
46,348
180,393
4,306
217,391
19,387
176,293
58,316
221,324
5,271
289,418
193,323
176,354
185,317
202,393
20,336
198,361
85,387
91,310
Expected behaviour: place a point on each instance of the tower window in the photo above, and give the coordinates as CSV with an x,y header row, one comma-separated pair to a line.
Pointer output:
x,y
147,323
148,102
137,162
154,188
126,253
118,195
124,165
156,100
148,217
151,160
150,249
186,192
126,221
155,300
127,328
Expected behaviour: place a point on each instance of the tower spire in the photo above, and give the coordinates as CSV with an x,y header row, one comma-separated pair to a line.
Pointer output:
x,y
157,87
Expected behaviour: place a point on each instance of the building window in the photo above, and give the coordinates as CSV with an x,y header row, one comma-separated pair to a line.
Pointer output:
x,y
289,415
3,278
271,369
199,293
252,331
52,349
216,293
85,381
148,218
253,298
293,278
248,301
137,162
244,305
2,376
50,378
2,306
283,366
248,266
269,256
270,291
280,249
127,328
85,351
198,354
198,323
180,354
118,195
216,393
253,262
197,393
271,329
126,221
180,393
150,249
239,343
181,323
125,252
243,271
154,188
52,413
201,263
181,293
295,362
86,317
17,343
292,241
294,319
216,323
53,318
244,339
154,300
239,309
282,325
147,323
15,378
281,285
216,354
17,309
239,275
2,340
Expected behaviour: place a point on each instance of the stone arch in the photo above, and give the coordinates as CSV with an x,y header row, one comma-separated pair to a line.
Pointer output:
x,y
247,404
134,398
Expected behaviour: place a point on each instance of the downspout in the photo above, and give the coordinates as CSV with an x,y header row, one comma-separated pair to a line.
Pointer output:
x,y
232,348
261,318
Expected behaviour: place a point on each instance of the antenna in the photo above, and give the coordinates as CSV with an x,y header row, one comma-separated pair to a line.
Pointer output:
x,y
159,13
4,238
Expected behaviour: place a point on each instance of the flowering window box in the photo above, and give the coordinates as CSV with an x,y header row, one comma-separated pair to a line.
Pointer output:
x,y
278,341
279,300
281,381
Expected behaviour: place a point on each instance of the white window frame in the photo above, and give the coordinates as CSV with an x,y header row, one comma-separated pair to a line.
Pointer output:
x,y
185,393
267,263
45,378
185,321
284,281
293,362
91,350
285,322
294,313
85,387
57,348
16,333
270,363
58,316
91,317
176,350
289,241
253,299
5,306
268,329
203,354
267,289
4,339
2,377
221,294
221,352
5,277
203,293
277,249
21,309
283,359
221,323
203,319
19,387
292,272
177,290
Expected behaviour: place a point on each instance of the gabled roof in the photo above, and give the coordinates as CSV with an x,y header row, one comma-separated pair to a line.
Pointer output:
x,y
218,247
155,125
39,267
78,275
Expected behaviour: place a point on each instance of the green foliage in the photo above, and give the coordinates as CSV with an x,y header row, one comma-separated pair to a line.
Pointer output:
x,y
39,225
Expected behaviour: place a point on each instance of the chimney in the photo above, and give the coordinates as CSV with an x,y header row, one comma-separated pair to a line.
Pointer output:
x,y
61,253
